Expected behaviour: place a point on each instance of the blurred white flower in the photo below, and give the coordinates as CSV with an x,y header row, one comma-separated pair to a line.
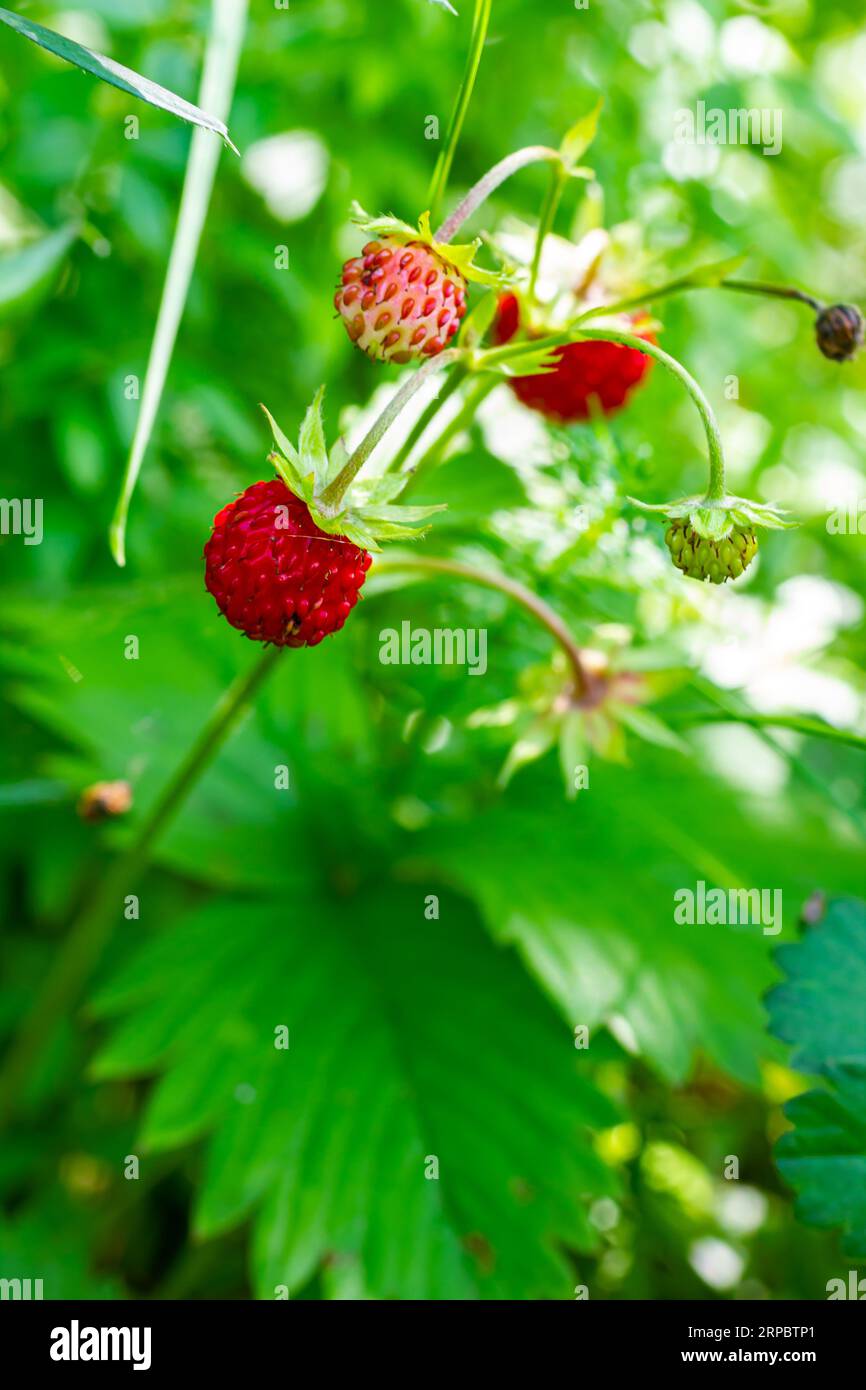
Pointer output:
x,y
289,171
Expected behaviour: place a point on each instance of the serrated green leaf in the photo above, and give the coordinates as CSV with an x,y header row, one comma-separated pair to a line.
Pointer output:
x,y
820,1007
605,945
115,74
324,1140
819,1010
823,1158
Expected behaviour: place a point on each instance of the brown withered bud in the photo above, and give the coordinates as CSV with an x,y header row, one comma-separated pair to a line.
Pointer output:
x,y
104,801
840,331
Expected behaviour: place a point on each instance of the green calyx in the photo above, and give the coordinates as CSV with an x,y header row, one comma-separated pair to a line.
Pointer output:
x,y
714,538
364,514
460,257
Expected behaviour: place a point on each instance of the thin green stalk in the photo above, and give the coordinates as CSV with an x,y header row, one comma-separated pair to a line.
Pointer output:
x,y
731,708
452,383
93,927
773,291
221,59
546,220
481,191
535,606
442,171
498,356
798,724
333,494
462,420
684,283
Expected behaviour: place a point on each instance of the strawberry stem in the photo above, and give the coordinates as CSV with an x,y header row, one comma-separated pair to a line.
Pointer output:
x,y
685,282
442,171
480,192
717,488
535,606
332,496
92,929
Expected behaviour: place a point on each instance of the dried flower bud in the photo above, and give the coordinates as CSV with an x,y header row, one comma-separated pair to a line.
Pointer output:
x,y
104,801
840,331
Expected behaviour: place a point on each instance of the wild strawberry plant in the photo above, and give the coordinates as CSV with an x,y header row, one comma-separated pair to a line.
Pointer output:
x,y
413,1015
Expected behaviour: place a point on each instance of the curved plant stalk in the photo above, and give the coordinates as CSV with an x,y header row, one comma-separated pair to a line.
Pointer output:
x,y
497,357
481,191
93,927
690,282
217,88
333,494
530,602
442,171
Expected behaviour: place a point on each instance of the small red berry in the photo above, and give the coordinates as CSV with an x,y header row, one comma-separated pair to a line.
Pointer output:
x,y
608,372
434,316
275,575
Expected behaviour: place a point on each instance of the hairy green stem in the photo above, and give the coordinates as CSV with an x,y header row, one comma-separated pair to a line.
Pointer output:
x,y
442,171
530,602
333,493
93,927
481,191
717,486
546,220
452,383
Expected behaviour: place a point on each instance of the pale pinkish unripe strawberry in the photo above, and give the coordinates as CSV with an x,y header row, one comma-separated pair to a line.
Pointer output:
x,y
400,301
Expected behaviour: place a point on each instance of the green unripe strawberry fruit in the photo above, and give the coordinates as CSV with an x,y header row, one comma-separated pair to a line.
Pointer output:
x,y
716,561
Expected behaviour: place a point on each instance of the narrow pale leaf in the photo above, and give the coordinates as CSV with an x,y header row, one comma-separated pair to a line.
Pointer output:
x,y
115,74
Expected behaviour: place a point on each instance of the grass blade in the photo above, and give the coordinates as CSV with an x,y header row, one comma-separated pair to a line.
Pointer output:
x,y
217,87
115,74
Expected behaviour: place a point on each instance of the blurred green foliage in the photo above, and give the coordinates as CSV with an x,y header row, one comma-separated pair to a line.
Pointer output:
x,y
305,907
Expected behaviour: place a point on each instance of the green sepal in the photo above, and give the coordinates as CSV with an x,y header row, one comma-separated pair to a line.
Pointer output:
x,y
311,443
715,518
535,361
461,257
365,515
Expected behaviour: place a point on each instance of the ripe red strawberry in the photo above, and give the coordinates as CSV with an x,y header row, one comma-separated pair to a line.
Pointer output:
x,y
606,371
275,574
400,300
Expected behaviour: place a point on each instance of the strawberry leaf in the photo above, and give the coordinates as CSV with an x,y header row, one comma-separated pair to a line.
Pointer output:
x,y
321,1140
